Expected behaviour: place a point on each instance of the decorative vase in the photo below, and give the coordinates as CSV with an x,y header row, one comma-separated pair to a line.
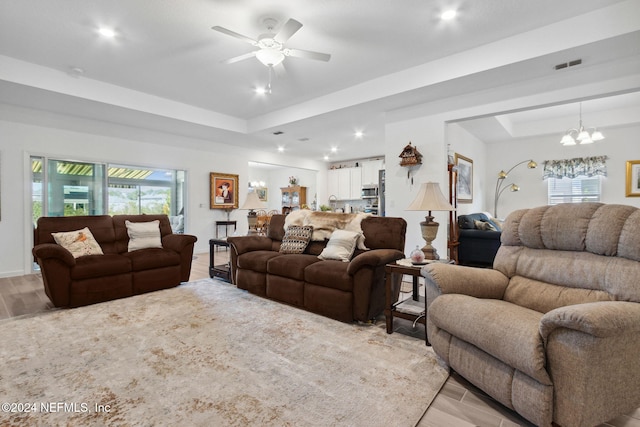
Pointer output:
x,y
417,256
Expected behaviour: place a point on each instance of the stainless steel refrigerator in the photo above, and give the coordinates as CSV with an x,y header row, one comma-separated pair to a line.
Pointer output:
x,y
381,190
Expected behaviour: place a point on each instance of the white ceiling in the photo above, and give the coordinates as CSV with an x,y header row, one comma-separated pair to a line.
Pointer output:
x,y
163,70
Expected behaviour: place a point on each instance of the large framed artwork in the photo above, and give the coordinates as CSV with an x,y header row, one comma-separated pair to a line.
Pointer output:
x,y
465,178
633,178
223,191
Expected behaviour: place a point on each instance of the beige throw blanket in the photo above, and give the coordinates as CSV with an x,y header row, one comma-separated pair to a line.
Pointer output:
x,y
324,223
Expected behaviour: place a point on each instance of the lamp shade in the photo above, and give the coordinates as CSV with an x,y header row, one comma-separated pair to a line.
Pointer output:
x,y
253,202
430,198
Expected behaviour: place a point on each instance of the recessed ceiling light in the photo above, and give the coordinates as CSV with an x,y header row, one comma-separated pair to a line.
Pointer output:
x,y
326,157
359,134
281,149
334,149
448,15
107,32
261,91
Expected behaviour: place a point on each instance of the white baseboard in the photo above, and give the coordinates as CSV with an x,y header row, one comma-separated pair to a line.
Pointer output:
x,y
12,273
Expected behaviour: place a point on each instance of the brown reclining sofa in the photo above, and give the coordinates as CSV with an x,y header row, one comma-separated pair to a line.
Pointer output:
x,y
73,282
345,291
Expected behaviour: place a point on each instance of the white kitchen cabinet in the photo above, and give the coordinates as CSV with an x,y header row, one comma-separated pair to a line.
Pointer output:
x,y
345,183
370,171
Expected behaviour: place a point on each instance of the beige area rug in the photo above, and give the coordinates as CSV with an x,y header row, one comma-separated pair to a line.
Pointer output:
x,y
208,354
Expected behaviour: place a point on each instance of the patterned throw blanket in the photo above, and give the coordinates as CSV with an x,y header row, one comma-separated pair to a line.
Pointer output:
x,y
324,223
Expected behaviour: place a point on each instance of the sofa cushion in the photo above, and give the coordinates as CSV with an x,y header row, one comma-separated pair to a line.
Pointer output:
x,y
331,274
101,227
143,235
340,246
91,266
256,260
291,265
152,258
122,234
506,331
78,242
483,225
296,239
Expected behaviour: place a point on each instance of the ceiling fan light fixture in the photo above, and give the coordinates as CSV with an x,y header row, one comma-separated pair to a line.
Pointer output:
x,y
448,15
270,57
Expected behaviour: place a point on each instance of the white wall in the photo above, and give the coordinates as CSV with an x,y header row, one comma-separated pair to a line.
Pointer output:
x,y
428,135
466,144
620,145
277,178
18,141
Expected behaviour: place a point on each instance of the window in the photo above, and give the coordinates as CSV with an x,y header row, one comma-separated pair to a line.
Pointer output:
x,y
68,188
573,190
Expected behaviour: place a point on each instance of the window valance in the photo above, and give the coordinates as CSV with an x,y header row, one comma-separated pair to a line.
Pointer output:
x,y
572,168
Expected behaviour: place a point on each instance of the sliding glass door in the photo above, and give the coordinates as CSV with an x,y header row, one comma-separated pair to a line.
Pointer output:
x,y
69,188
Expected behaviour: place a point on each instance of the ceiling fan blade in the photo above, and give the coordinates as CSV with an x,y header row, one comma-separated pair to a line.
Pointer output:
x,y
280,70
236,35
307,54
288,29
239,58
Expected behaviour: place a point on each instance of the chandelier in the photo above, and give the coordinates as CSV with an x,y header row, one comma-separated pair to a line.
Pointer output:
x,y
581,135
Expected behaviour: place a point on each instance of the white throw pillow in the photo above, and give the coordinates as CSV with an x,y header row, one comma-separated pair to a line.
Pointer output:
x,y
340,246
78,242
143,235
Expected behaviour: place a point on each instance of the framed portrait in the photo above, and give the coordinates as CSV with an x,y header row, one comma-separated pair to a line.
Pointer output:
x,y
633,178
223,191
262,193
464,185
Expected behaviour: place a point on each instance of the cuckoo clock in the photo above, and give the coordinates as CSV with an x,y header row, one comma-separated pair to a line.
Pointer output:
x,y
409,158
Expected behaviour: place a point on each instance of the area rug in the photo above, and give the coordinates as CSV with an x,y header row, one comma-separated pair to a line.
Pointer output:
x,y
208,354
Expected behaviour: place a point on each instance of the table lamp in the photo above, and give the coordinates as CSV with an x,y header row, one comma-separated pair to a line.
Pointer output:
x,y
253,202
430,198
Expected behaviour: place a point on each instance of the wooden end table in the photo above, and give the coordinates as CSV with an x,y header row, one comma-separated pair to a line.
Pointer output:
x,y
223,271
412,308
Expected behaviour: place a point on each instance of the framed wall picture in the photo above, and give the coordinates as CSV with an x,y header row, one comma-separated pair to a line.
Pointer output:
x,y
223,191
633,178
262,193
465,178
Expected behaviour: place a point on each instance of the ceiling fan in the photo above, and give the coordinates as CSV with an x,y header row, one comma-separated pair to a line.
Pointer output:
x,y
271,50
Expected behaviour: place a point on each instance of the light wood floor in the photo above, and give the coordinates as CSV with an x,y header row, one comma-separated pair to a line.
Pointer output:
x,y
459,403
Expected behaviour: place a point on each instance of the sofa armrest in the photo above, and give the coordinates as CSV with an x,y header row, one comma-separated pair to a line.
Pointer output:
x,y
51,250
178,242
592,359
244,244
599,319
373,258
458,279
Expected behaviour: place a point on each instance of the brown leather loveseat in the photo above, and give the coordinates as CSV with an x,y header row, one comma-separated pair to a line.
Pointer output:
x,y
345,291
118,272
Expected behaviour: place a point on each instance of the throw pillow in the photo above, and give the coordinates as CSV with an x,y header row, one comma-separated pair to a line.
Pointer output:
x,y
340,246
296,239
143,235
78,242
484,225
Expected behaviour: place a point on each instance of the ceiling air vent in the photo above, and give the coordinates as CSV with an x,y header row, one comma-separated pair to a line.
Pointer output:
x,y
568,64
278,132
303,139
